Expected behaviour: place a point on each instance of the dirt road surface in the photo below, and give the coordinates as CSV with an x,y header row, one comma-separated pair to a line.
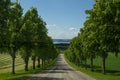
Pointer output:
x,y
60,71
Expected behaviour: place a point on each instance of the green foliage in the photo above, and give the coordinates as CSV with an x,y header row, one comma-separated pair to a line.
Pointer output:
x,y
4,19
99,36
25,34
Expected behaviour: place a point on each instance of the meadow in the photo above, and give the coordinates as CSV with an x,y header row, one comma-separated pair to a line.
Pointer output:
x,y
112,68
5,68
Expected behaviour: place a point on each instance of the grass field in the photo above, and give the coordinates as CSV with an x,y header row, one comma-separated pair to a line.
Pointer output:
x,y
5,63
5,68
112,67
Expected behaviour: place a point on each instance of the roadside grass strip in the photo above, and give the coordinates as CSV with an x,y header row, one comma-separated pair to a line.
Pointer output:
x,y
112,68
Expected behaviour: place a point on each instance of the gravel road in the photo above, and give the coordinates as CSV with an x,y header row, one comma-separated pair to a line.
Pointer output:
x,y
60,71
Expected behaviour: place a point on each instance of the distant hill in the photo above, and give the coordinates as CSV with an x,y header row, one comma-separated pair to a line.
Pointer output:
x,y
61,44
61,41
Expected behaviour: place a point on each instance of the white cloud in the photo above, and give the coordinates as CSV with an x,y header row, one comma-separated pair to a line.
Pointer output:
x,y
72,29
58,32
51,25
63,34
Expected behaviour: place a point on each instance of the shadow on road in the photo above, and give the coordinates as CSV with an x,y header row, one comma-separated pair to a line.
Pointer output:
x,y
59,71
39,78
45,78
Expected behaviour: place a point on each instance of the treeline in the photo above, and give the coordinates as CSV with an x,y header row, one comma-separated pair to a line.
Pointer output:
x,y
99,36
24,34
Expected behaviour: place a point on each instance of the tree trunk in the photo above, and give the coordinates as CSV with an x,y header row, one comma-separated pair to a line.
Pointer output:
x,y
104,56
34,58
12,53
27,58
91,64
42,63
104,62
26,63
13,65
85,64
38,62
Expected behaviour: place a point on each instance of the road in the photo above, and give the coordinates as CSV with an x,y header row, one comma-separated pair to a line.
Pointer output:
x,y
60,71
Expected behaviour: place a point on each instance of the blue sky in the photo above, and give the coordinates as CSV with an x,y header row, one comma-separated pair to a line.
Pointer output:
x,y
64,18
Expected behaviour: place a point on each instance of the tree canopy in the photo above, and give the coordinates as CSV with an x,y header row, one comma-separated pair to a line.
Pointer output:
x,y
100,34
25,34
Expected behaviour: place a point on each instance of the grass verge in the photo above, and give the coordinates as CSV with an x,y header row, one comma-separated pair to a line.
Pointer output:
x,y
96,75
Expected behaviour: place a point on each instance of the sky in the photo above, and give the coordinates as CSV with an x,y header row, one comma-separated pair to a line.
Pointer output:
x,y
64,18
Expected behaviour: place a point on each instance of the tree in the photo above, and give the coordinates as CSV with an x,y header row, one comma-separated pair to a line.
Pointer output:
x,y
4,19
41,32
107,30
14,29
103,16
10,20
101,32
27,33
